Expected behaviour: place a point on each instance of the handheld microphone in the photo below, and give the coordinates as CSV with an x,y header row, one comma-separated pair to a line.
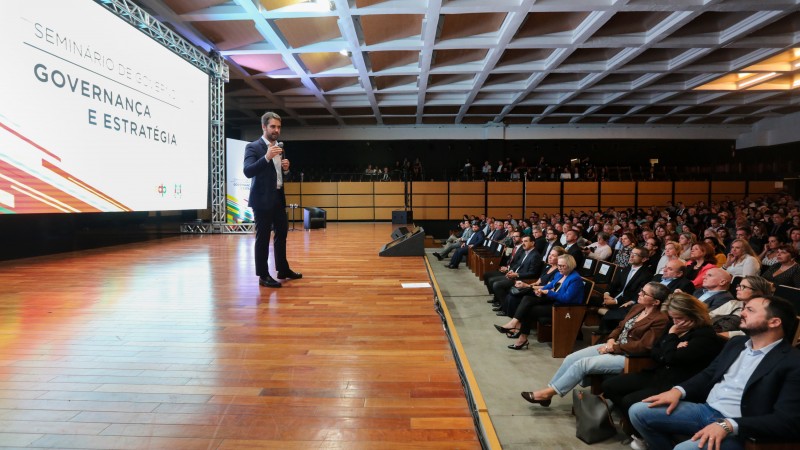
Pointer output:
x,y
280,144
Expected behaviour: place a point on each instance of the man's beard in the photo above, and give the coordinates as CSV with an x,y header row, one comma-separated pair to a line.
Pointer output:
x,y
755,330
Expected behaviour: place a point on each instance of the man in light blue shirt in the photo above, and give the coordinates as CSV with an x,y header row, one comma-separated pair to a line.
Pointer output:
x,y
751,390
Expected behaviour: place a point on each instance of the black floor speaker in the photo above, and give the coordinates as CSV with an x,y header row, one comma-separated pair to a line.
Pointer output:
x,y
402,217
399,232
410,244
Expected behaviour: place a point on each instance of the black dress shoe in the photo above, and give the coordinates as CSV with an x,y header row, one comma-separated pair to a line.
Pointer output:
x,y
529,397
520,347
491,300
450,266
438,256
497,308
501,313
290,275
268,281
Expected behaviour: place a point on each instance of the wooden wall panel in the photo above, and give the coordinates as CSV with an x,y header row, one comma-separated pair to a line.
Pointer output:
x,y
348,187
463,187
690,199
501,212
332,213
354,201
290,198
579,200
690,187
386,213
757,188
618,187
581,187
534,200
544,187
653,187
505,187
390,200
457,213
427,200
320,201
430,214
356,214
291,188
429,187
389,187
647,200
728,187
319,188
505,200
470,201
617,201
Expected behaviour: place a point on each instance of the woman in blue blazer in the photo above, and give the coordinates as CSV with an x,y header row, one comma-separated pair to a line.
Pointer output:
x,y
566,288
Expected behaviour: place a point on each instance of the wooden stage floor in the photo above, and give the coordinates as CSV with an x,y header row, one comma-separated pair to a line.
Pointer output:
x,y
171,344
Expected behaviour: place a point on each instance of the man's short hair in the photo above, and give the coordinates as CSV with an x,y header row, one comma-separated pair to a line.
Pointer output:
x,y
269,115
782,309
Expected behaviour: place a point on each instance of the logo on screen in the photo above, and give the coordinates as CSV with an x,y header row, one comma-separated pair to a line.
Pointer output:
x,y
178,192
161,189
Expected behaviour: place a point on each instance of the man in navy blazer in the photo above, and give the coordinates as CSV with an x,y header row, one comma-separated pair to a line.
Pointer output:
x,y
674,277
265,166
751,390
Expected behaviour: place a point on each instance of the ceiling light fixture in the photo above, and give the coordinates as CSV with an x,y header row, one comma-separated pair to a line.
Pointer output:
x,y
754,80
345,52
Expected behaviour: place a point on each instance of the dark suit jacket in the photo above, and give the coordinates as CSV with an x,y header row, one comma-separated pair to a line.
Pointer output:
x,y
576,253
682,283
631,293
263,178
540,244
531,267
771,398
476,239
716,300
508,261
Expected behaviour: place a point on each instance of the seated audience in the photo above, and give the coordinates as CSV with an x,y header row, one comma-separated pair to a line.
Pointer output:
x,y
636,334
600,250
715,290
687,240
672,251
742,260
725,318
624,290
751,390
701,260
769,256
719,250
476,240
627,244
566,288
528,267
686,348
674,277
786,270
523,289
455,240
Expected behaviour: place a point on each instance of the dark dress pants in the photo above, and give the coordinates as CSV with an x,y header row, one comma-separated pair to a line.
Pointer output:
x,y
530,309
268,220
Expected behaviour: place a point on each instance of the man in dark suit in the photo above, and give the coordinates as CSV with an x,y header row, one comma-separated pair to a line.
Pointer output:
x,y
506,262
539,241
265,166
573,248
751,390
674,276
529,267
476,240
623,292
716,288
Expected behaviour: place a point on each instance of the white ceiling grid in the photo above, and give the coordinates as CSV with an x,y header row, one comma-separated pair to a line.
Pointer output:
x,y
502,62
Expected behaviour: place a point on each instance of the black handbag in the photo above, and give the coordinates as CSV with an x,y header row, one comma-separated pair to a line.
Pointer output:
x,y
593,422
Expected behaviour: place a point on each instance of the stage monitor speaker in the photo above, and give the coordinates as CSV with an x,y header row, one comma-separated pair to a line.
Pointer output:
x,y
402,217
399,232
411,244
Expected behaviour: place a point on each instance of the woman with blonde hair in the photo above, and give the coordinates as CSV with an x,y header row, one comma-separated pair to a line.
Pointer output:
x,y
672,250
687,240
742,260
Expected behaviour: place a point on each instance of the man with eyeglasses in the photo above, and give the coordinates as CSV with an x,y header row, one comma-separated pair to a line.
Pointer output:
x,y
624,289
